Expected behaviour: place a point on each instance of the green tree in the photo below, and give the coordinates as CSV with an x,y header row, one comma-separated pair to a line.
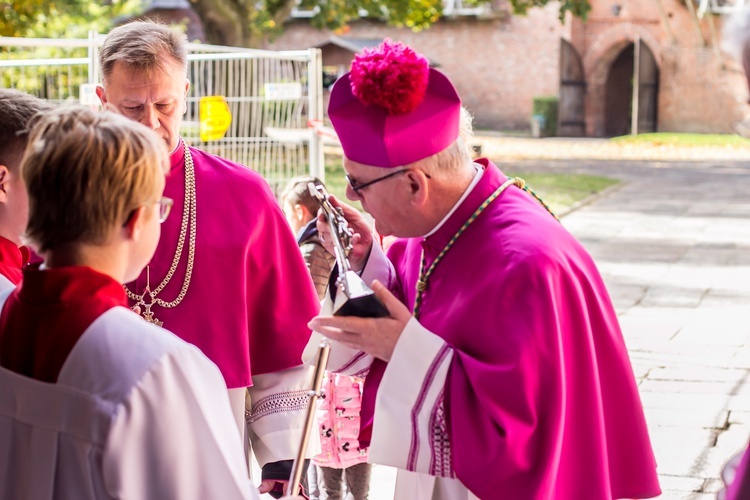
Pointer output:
x,y
244,23
248,22
61,18
579,8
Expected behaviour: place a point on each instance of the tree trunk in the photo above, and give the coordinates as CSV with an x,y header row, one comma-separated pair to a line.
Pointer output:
x,y
224,21
236,22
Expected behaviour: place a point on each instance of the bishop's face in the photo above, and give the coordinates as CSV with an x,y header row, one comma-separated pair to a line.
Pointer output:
x,y
157,98
387,200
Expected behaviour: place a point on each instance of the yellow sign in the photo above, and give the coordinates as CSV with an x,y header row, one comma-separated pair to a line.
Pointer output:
x,y
215,117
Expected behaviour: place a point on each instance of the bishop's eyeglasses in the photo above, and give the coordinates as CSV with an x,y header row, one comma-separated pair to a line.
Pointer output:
x,y
357,187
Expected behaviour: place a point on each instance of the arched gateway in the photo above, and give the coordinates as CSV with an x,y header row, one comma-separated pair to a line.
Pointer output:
x,y
616,95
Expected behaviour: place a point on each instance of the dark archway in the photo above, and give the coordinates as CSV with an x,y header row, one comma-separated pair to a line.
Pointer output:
x,y
646,97
618,93
571,120
631,92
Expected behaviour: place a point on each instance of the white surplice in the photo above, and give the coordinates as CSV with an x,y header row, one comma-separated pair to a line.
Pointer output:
x,y
136,413
6,285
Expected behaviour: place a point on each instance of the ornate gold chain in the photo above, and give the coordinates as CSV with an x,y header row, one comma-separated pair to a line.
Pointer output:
x,y
425,273
189,218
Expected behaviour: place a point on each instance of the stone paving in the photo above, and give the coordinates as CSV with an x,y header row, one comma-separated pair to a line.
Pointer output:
x,y
498,146
673,244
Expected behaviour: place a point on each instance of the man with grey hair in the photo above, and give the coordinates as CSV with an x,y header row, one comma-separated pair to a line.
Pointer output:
x,y
227,275
500,370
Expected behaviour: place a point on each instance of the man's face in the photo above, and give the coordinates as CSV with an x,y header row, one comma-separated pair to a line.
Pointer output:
x,y
14,192
156,99
386,201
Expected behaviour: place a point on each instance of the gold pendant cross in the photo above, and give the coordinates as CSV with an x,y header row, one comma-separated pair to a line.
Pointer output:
x,y
148,315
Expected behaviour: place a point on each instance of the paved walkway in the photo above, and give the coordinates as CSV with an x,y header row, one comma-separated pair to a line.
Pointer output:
x,y
673,244
496,145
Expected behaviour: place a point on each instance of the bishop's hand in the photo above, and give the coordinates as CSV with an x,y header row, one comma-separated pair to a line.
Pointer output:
x,y
361,240
375,336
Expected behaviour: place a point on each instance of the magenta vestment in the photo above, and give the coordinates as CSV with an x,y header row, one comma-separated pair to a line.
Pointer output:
x,y
540,397
739,487
250,296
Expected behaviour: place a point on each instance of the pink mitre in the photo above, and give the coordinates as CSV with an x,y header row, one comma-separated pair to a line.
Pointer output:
x,y
392,109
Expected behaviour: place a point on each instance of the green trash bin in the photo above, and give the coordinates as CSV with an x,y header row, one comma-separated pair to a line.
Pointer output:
x,y
537,125
544,114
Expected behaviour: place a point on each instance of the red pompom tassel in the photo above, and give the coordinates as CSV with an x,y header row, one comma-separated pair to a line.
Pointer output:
x,y
392,76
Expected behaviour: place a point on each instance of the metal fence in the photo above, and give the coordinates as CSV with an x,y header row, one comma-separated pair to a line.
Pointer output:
x,y
273,96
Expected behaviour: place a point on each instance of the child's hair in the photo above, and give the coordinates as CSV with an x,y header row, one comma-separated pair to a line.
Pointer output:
x,y
296,192
17,110
86,172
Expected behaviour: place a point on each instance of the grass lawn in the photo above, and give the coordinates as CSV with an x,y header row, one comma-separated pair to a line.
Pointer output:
x,y
562,191
559,191
683,139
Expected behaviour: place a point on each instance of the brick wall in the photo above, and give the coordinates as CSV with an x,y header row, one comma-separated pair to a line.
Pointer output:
x,y
499,65
700,89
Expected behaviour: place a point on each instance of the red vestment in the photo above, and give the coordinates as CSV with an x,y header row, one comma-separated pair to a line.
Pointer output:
x,y
12,260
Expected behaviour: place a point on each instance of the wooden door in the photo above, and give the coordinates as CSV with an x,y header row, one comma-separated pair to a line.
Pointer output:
x,y
570,117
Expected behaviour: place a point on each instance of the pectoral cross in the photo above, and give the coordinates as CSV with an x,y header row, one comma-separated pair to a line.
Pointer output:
x,y
147,314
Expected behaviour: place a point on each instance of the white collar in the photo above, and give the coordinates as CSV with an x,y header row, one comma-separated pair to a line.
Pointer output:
x,y
478,175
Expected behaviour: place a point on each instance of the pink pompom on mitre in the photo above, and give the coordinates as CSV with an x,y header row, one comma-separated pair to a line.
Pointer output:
x,y
392,76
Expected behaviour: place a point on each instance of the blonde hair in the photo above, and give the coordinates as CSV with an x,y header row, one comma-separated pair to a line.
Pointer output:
x,y
142,45
85,172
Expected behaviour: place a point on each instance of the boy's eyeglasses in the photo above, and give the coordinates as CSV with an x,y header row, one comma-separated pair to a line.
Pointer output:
x,y
165,206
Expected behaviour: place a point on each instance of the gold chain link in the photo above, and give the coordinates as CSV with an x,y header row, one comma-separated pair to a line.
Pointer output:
x,y
189,214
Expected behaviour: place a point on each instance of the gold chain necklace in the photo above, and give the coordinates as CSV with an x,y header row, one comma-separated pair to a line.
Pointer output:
x,y
425,273
189,218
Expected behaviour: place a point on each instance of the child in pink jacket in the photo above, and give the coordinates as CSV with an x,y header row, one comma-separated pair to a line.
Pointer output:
x,y
341,458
